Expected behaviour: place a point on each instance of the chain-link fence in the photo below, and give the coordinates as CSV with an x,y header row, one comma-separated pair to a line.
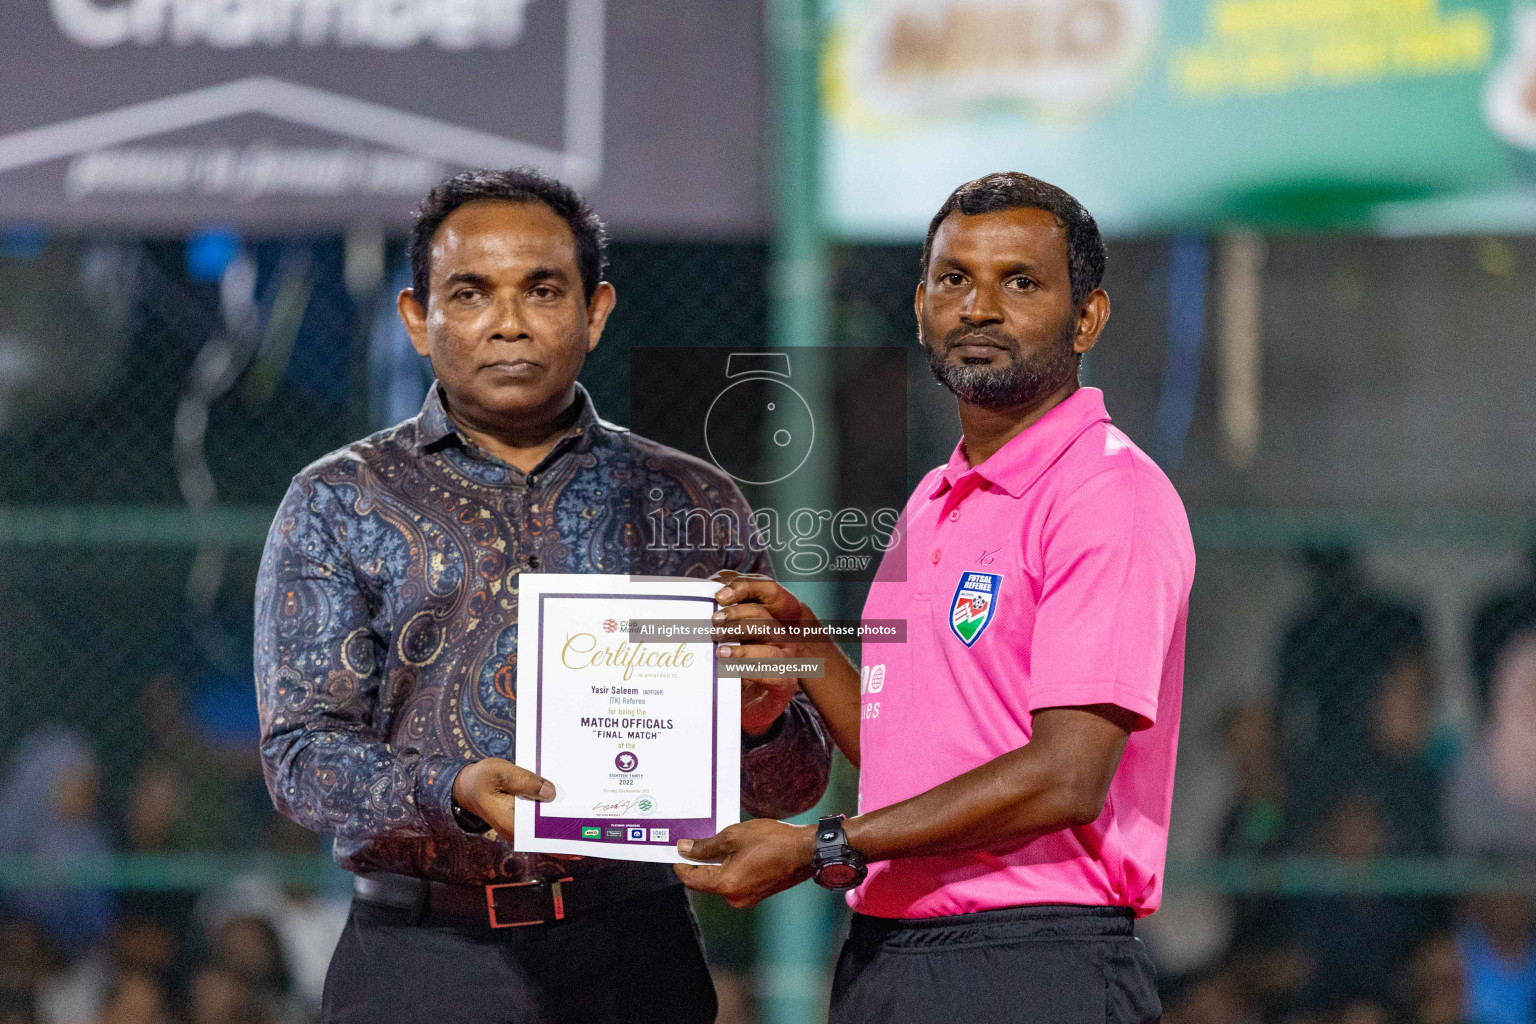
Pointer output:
x,y
152,421
1359,659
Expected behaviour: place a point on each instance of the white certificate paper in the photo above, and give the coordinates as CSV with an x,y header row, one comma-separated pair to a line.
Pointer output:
x,y
642,740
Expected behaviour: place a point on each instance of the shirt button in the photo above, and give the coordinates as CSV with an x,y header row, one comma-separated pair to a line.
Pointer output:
x,y
935,556
533,480
954,514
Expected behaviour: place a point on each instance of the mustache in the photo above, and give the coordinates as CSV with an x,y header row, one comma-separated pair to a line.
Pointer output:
x,y
985,335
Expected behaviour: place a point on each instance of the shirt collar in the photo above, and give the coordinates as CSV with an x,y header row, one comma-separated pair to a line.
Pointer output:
x,y
1017,464
433,426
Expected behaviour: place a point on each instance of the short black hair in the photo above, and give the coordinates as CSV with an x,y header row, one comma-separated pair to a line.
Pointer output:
x,y
517,185
1010,190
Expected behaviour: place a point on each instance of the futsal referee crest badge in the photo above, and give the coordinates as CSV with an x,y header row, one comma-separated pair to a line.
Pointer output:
x,y
975,602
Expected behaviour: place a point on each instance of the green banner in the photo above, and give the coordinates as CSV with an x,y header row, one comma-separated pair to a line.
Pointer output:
x,y
1391,116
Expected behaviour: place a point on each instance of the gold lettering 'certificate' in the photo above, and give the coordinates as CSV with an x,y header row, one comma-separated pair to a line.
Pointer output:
x,y
641,739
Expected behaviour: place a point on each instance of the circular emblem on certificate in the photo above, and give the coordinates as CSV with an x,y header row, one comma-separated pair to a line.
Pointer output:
x,y
645,806
626,761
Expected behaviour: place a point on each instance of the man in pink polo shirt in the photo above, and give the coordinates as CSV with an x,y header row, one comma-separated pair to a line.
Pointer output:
x,y
1016,753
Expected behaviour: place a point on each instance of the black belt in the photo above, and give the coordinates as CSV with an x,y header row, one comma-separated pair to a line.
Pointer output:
x,y
509,904
1039,921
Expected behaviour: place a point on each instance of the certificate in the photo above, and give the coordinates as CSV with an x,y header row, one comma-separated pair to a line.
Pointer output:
x,y
641,739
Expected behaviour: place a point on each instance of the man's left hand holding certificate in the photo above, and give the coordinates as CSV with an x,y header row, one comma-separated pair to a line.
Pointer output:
x,y
641,739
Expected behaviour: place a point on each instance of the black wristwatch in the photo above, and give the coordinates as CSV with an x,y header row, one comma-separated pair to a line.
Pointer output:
x,y
834,864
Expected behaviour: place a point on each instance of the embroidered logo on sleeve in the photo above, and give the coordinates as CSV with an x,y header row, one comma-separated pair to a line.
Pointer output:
x,y
975,602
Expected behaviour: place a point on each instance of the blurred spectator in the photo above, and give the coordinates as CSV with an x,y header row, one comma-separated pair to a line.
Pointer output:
x,y
155,822
1356,942
1396,764
145,946
135,999
248,945
1257,823
221,996
17,1008
1501,615
1210,997
247,948
306,923
1272,977
1493,808
136,947
1499,957
1356,701
1361,1011
49,809
1434,982
1323,670
217,786
25,961
154,809
1493,788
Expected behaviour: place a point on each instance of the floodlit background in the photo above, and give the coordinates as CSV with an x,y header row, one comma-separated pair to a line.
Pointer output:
x,y
1323,278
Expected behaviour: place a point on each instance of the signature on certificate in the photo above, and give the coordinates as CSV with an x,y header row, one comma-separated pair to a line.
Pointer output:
x,y
614,807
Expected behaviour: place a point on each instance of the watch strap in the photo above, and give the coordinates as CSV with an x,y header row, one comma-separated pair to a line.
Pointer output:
x,y
471,823
830,852
831,840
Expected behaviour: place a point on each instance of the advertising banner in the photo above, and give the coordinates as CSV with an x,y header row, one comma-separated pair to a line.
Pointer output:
x,y
162,114
1400,116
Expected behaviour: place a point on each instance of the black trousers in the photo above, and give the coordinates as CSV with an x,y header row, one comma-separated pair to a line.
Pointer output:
x,y
1019,965
639,960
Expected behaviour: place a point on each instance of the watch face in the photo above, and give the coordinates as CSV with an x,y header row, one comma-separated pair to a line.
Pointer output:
x,y
837,876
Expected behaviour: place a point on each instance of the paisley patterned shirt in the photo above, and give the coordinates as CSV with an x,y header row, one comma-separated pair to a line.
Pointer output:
x,y
386,627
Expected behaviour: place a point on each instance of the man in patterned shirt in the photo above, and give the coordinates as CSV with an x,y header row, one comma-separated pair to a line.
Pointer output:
x,y
386,640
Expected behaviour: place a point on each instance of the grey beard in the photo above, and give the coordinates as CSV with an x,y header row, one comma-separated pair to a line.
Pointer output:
x,y
1022,382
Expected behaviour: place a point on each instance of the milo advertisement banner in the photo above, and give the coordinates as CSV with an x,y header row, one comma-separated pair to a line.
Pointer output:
x,y
1394,116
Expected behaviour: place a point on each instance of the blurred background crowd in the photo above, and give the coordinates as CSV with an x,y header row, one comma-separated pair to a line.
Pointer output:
x,y
251,948
1323,278
1347,764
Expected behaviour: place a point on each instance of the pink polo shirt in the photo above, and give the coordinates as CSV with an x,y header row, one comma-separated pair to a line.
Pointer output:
x,y
1056,573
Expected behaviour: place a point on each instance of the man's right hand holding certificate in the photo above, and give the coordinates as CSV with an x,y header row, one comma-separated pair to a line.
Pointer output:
x,y
742,599
1057,780
754,605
